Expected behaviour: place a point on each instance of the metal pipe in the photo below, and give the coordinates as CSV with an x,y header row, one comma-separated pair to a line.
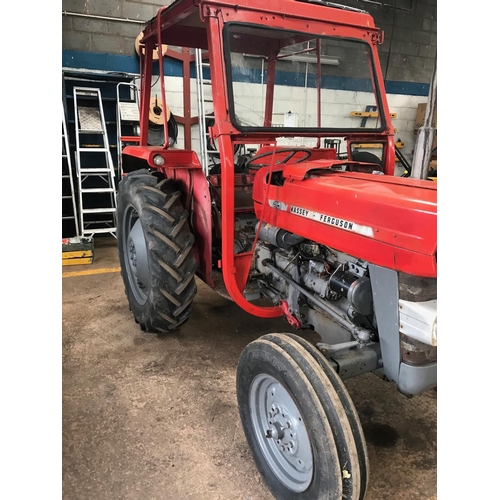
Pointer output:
x,y
305,88
262,97
355,330
425,136
295,53
271,74
104,18
162,79
318,85
388,5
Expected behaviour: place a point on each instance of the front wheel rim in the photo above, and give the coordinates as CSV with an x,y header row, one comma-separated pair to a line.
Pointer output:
x,y
281,434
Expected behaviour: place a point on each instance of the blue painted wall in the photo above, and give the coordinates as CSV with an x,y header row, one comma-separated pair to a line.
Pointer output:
x,y
407,56
130,64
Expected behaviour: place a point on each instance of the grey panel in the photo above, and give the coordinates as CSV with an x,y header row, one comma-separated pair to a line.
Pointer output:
x,y
330,332
385,301
417,379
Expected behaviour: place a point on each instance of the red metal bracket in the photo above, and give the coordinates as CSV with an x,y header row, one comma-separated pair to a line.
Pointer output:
x,y
289,317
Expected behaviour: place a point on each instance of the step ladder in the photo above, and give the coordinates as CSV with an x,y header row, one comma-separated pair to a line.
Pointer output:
x,y
94,164
127,120
205,112
69,211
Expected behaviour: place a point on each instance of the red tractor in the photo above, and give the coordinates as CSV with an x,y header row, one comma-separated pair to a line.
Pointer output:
x,y
333,242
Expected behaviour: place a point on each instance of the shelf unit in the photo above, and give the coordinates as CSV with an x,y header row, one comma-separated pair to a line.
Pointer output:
x,y
107,84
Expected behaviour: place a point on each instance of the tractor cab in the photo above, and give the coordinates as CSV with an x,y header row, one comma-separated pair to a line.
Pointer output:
x,y
289,81
296,75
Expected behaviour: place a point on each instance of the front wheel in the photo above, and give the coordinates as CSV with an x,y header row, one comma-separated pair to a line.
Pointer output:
x,y
297,424
155,247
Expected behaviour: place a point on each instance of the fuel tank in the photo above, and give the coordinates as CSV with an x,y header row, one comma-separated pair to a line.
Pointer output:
x,y
385,220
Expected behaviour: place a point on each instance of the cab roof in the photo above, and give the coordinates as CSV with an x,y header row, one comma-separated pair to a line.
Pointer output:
x,y
181,22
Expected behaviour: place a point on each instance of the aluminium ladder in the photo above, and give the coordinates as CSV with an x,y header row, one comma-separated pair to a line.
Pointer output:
x,y
94,164
69,211
127,117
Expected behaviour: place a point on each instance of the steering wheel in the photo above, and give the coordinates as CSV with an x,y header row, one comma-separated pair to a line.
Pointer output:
x,y
251,165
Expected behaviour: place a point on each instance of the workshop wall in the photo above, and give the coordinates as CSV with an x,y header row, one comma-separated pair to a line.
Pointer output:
x,y
96,35
407,55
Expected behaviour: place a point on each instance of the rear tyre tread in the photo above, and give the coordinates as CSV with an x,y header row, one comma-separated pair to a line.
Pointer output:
x,y
170,269
161,212
169,244
180,224
182,286
173,198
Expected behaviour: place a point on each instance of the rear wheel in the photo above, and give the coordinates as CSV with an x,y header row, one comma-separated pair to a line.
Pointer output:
x,y
296,424
155,247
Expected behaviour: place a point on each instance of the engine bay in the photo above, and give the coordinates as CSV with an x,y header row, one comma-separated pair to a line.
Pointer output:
x,y
312,283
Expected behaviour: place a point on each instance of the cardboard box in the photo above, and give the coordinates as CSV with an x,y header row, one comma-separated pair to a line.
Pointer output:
x,y
419,120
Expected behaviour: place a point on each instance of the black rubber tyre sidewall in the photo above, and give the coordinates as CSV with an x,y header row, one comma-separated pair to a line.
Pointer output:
x,y
349,408
334,409
264,357
140,311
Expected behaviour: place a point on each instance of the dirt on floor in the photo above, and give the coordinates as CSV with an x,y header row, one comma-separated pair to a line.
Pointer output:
x,y
149,417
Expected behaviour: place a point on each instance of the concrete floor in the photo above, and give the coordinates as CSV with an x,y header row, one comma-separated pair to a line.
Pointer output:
x,y
156,418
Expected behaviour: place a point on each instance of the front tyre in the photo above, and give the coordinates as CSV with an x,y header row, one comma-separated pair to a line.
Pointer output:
x,y
155,246
295,423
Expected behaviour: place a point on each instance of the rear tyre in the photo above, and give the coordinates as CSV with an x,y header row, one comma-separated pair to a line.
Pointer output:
x,y
155,247
295,423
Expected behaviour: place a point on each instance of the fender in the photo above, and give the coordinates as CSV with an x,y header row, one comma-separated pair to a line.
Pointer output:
x,y
184,167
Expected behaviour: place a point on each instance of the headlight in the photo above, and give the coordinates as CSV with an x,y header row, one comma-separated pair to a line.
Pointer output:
x,y
158,160
418,320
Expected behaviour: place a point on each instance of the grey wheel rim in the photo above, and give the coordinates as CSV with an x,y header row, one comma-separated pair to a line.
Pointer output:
x,y
136,256
281,433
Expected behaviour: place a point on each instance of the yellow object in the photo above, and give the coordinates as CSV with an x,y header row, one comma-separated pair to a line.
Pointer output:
x,y
156,114
372,145
77,262
164,47
369,114
79,253
77,257
103,270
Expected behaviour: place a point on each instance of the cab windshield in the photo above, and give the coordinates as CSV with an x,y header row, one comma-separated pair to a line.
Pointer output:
x,y
275,81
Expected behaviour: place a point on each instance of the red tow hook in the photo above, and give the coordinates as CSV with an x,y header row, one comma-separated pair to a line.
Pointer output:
x,y
289,317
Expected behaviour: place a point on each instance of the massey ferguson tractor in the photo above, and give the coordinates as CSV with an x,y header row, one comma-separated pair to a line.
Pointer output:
x,y
330,240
